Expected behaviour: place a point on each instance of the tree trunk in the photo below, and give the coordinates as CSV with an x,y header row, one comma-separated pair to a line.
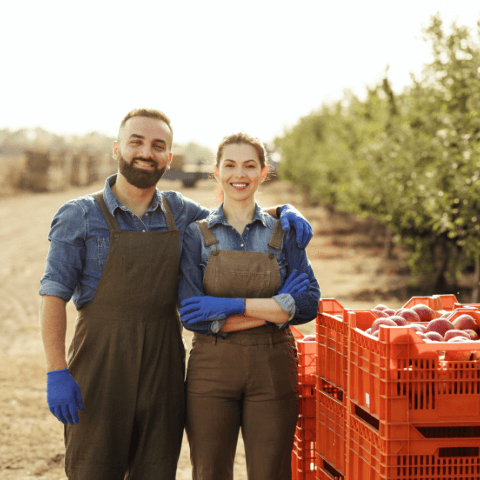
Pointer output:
x,y
439,281
388,246
476,281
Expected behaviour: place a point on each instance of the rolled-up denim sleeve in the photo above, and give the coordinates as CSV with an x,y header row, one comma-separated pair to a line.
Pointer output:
x,y
66,255
306,303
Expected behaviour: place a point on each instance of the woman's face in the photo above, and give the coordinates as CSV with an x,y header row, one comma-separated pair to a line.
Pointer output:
x,y
240,172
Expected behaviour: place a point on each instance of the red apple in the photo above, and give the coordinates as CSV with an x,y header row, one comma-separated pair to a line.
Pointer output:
x,y
400,321
456,333
425,313
409,315
308,338
436,337
465,322
380,306
389,312
416,327
439,325
382,321
473,334
380,313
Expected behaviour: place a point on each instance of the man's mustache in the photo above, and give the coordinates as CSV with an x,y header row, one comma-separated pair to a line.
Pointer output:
x,y
143,160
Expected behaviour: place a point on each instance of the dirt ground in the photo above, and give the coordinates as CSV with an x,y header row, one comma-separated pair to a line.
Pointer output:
x,y
344,254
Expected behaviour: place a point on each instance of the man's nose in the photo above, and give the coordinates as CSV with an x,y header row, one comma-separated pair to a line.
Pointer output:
x,y
147,151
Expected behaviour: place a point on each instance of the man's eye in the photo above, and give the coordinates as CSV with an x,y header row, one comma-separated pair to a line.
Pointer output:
x,y
159,146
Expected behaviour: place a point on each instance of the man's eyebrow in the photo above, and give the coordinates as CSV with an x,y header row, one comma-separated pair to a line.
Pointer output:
x,y
135,135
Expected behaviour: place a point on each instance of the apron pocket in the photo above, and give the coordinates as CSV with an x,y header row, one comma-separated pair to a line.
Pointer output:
x,y
135,272
245,284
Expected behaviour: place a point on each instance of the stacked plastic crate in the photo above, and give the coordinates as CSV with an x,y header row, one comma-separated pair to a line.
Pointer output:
x,y
303,452
331,390
413,407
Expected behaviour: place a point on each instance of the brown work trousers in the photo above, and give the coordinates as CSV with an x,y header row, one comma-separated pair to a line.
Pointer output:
x,y
128,358
247,380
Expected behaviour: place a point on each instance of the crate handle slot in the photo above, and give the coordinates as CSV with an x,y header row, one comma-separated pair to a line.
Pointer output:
x,y
366,417
332,390
457,431
458,452
336,474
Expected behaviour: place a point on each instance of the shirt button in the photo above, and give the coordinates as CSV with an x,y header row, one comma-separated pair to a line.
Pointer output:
x,y
146,214
241,244
143,230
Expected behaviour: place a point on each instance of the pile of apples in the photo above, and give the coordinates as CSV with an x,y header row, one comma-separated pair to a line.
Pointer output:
x,y
463,328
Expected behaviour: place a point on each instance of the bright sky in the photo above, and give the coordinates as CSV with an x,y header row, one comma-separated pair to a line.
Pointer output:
x,y
214,67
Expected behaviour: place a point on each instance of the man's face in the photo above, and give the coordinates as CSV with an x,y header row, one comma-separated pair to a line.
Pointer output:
x,y
143,151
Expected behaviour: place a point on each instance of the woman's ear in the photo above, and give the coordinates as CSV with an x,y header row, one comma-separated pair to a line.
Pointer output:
x,y
216,173
264,173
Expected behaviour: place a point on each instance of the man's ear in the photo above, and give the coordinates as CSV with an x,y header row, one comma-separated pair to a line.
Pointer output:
x,y
115,149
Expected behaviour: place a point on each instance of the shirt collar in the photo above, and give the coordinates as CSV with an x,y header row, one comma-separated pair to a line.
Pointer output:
x,y
217,216
113,203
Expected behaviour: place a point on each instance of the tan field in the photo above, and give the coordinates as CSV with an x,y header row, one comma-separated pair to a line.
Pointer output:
x,y
345,260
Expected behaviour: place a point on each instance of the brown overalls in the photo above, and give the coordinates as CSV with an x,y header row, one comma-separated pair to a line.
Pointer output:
x,y
247,380
128,357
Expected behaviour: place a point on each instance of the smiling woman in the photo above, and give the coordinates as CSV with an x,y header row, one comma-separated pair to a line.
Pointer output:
x,y
242,274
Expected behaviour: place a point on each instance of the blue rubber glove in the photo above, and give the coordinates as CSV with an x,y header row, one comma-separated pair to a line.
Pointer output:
x,y
294,283
289,215
63,396
198,309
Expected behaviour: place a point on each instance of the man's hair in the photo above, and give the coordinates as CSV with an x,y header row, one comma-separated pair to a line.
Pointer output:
x,y
145,112
239,139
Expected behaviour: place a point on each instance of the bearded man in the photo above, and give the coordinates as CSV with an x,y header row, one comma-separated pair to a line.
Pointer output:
x,y
120,390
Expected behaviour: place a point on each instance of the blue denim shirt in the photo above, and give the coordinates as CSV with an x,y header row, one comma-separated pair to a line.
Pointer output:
x,y
301,307
80,239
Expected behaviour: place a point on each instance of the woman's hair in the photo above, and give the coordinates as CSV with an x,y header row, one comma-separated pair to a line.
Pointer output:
x,y
239,139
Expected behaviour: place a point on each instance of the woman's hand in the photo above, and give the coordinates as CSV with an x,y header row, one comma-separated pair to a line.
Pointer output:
x,y
294,283
198,309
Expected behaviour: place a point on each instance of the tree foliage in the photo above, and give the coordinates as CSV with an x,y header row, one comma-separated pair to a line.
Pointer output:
x,y
410,159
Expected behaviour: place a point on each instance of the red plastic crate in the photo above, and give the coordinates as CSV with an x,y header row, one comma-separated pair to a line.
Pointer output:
x,y
332,347
435,302
306,407
330,435
402,378
303,464
307,359
419,453
324,471
330,306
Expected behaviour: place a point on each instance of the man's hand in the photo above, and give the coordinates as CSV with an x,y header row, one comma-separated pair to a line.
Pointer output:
x,y
294,283
63,396
289,215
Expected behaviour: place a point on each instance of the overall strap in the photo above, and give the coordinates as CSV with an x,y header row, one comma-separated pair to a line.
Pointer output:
x,y
109,218
277,235
169,215
207,234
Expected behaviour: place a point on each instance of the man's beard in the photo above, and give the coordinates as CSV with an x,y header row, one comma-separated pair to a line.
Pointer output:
x,y
140,178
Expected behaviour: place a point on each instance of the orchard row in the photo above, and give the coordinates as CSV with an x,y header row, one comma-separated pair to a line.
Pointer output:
x,y
409,159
